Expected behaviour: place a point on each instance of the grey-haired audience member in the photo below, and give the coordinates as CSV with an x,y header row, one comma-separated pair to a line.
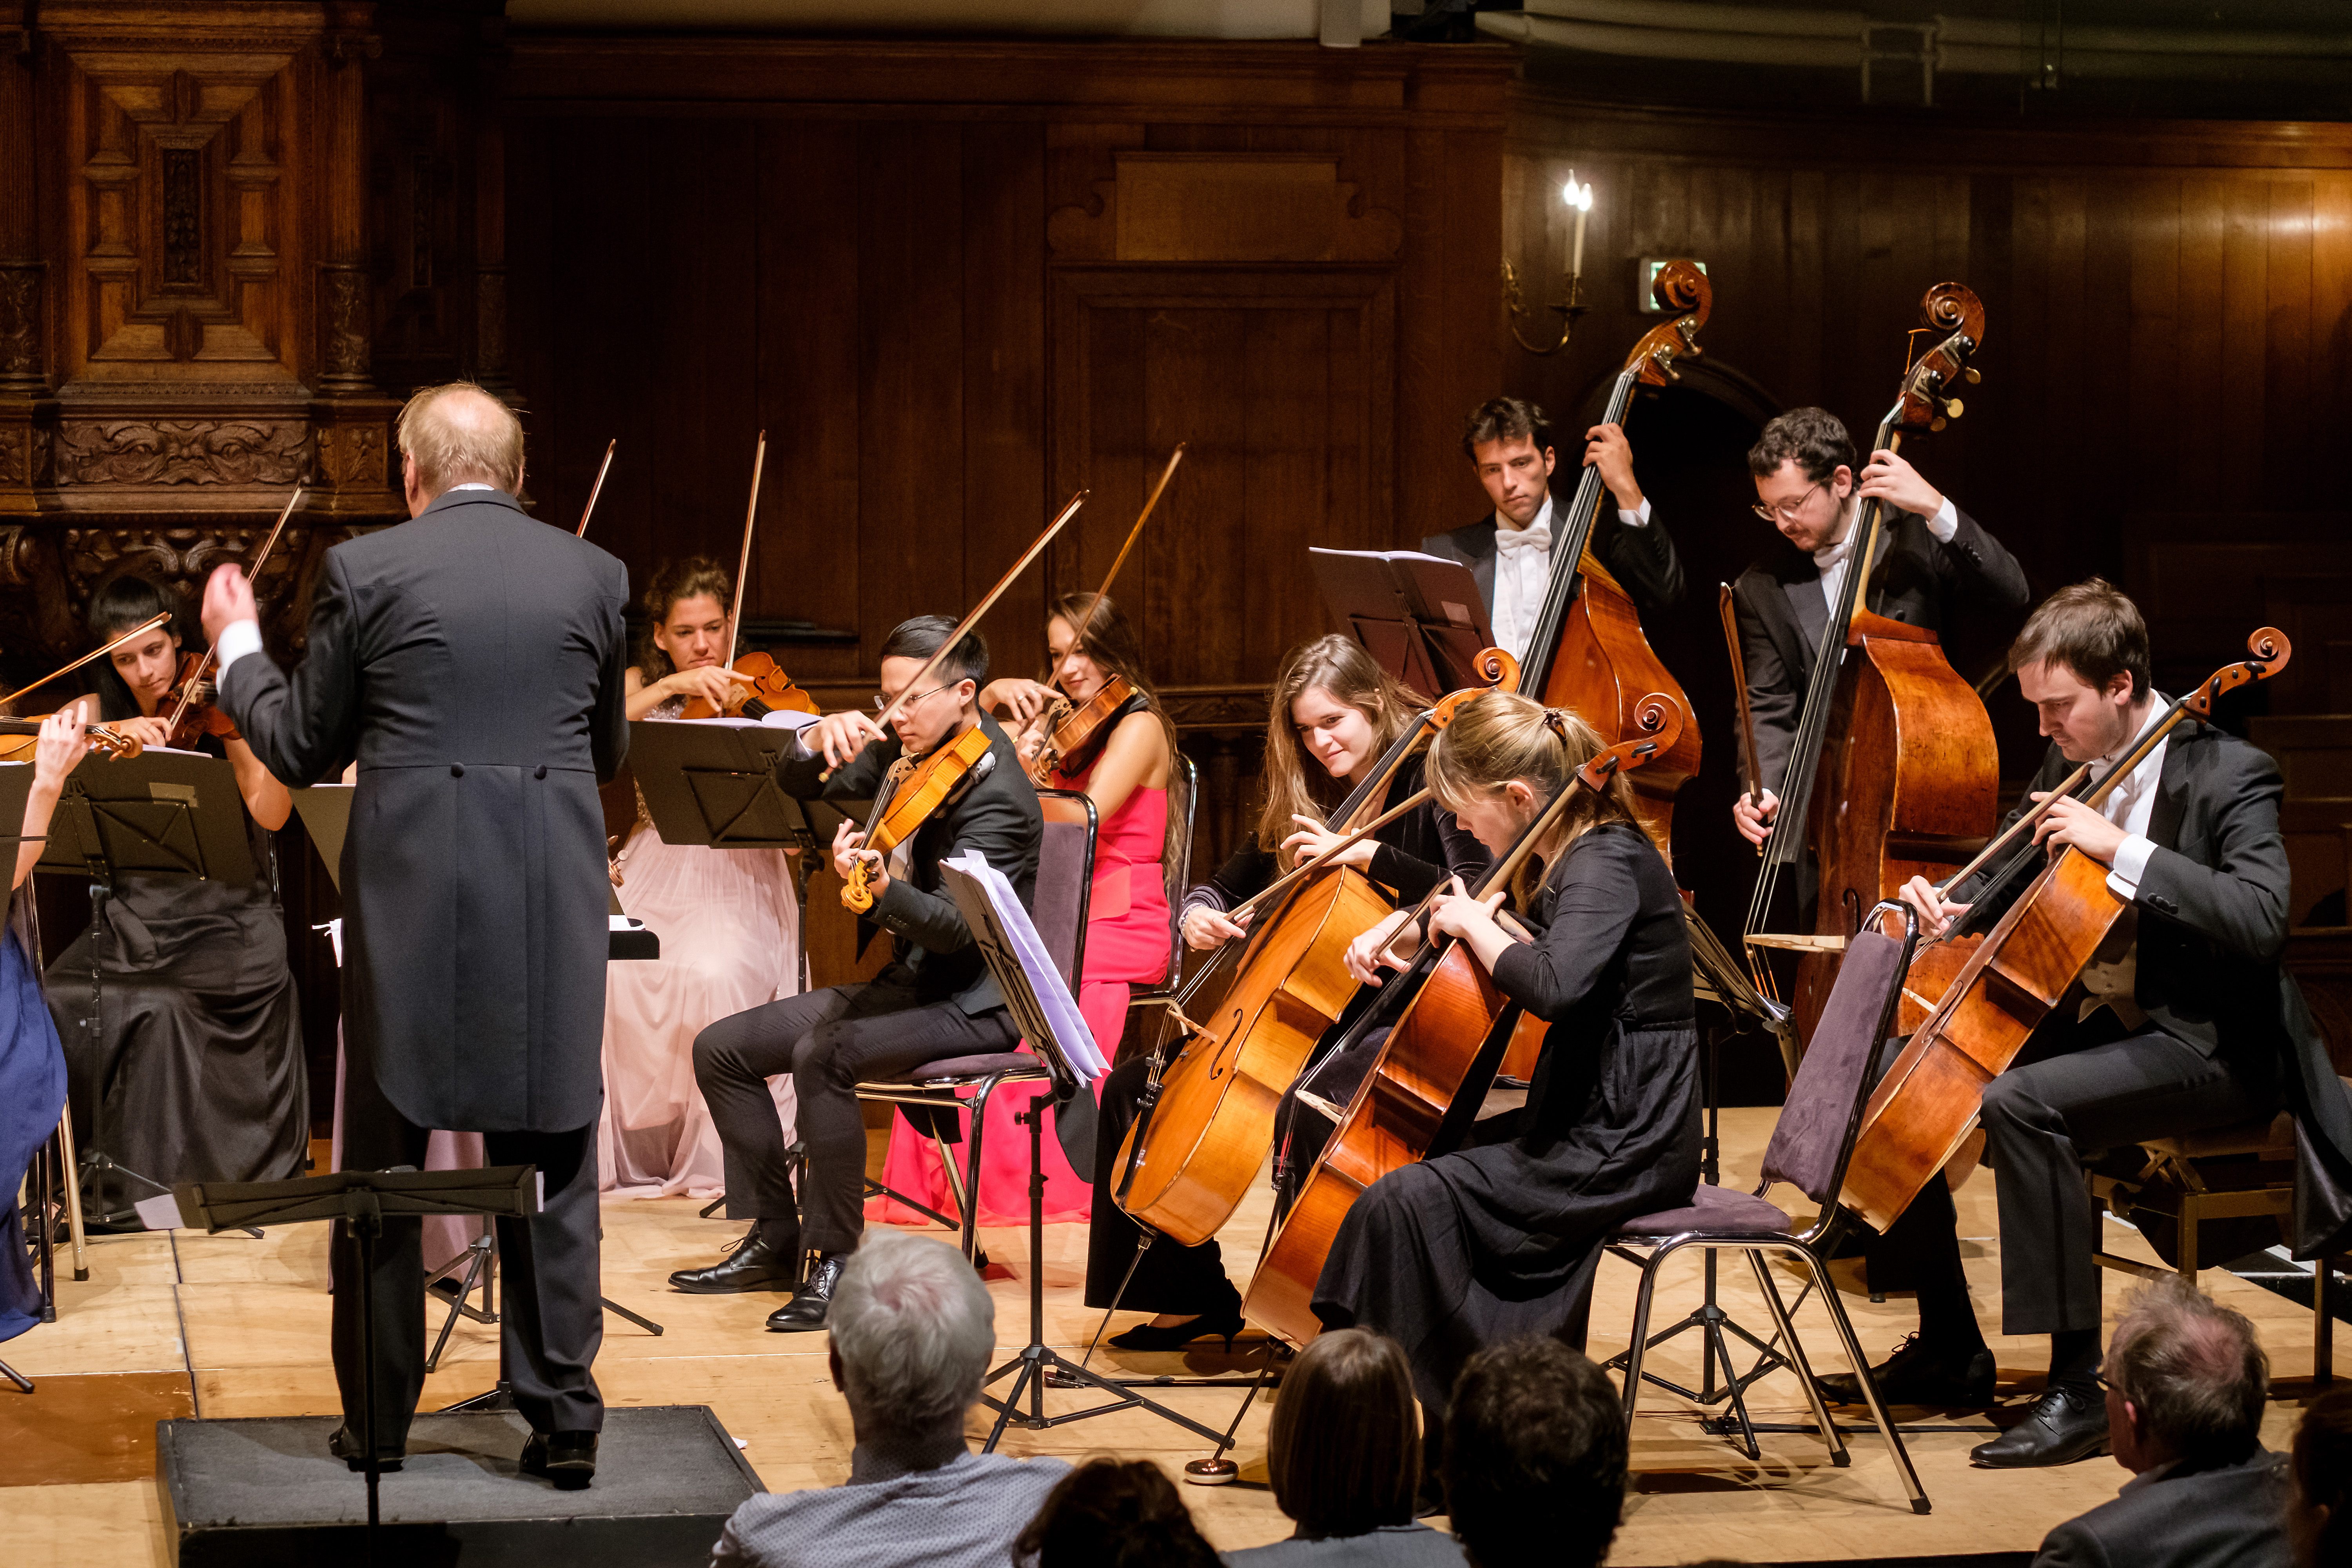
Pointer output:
x,y
1110,1513
1535,1457
912,1330
2186,1378
1344,1453
2319,1501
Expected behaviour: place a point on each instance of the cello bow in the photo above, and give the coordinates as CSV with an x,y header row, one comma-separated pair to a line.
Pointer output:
x,y
1751,775
598,488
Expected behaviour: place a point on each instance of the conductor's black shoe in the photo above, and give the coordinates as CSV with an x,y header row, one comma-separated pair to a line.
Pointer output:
x,y
344,1445
2066,1424
813,1300
1918,1373
567,1459
753,1265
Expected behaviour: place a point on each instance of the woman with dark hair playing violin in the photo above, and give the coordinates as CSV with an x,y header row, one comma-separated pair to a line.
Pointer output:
x,y
1334,713
1125,763
1501,1239
194,1071
728,918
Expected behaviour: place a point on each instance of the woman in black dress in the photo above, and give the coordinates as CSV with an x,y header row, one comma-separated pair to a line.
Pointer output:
x,y
195,1071
1502,1239
1333,715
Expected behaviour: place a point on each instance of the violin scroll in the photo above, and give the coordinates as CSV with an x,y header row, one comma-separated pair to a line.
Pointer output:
x,y
1954,310
2270,649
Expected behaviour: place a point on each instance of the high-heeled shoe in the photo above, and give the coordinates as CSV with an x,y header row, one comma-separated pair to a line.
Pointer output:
x,y
1222,1324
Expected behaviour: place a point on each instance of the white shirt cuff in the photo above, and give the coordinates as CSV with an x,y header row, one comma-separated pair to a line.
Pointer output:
x,y
1637,518
237,639
1945,522
2131,865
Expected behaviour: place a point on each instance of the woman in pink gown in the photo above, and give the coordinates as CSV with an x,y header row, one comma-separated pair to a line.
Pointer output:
x,y
1128,774
728,920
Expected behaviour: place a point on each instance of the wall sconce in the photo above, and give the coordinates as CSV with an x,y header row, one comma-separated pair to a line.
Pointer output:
x,y
1577,200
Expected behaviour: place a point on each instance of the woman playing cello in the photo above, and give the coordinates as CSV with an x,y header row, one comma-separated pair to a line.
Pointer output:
x,y
1125,768
1502,1238
1334,713
729,923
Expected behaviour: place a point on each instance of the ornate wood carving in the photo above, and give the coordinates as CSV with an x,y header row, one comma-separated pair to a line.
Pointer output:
x,y
1224,206
343,296
20,322
182,452
179,558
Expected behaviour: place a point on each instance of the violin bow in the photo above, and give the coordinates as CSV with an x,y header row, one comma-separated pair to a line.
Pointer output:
x,y
253,575
981,609
595,490
138,631
743,561
1134,533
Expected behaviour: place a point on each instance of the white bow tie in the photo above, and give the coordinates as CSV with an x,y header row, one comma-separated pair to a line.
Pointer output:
x,y
1522,540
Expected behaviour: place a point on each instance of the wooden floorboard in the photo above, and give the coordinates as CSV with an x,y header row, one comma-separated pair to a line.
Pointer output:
x,y
255,1345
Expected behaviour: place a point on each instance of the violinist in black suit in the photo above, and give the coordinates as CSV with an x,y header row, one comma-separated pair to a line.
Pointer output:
x,y
1933,558
1509,550
936,1000
2184,1020
472,660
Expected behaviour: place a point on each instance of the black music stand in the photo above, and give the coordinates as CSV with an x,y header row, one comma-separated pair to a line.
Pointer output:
x,y
1422,618
159,814
362,1198
1035,992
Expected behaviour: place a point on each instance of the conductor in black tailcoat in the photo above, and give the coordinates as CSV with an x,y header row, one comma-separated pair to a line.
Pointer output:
x,y
471,660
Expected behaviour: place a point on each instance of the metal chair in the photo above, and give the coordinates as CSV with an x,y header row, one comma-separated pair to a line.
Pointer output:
x,y
1065,874
1812,1145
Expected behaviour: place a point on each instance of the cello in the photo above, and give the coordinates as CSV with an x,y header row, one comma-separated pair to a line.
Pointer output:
x,y
1433,1073
1894,772
1208,1119
1926,1105
1588,651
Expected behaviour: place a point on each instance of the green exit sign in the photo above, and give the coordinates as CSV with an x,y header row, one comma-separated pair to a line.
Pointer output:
x,y
1645,282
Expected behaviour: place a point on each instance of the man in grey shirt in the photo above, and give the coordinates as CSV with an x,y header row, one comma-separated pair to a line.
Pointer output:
x,y
912,1330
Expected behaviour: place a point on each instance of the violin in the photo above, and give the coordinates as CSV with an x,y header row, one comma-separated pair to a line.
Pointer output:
x,y
771,691
194,701
1433,1073
1928,1102
1589,652
19,737
1895,772
1069,738
910,793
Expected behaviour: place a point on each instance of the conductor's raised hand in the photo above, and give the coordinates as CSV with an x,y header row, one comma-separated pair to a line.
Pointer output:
x,y
841,736
229,599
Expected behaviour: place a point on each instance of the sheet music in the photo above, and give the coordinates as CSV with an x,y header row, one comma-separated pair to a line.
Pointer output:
x,y
1061,1009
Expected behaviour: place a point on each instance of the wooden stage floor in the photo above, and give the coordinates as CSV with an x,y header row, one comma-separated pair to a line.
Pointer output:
x,y
219,1326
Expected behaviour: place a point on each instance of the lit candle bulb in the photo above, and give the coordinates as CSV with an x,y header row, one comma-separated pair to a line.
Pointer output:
x,y
1581,198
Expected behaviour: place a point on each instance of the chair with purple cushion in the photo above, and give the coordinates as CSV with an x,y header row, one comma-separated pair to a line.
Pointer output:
x,y
1810,1146
1065,874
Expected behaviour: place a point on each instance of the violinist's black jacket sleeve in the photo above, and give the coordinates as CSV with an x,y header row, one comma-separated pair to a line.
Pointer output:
x,y
995,814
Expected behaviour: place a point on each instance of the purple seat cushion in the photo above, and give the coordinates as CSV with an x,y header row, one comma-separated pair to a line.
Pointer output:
x,y
1718,1209
976,1067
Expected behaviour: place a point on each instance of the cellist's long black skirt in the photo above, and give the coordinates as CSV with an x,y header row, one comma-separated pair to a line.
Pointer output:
x,y
1489,1244
1169,1278
195,1071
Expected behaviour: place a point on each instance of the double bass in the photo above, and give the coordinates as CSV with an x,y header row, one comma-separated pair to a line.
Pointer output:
x,y
1588,651
1894,772
1926,1105
1433,1073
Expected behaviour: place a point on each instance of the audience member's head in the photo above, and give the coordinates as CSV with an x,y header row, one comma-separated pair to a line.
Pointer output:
x,y
2186,1378
1112,1514
912,1328
2318,1524
454,435
1535,1457
1344,1448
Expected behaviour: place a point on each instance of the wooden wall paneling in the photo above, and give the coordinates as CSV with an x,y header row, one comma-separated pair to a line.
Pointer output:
x,y
2194,382
2152,293
2076,341
2331,291
1196,623
2245,310
1801,384
912,544
2288,416
812,297
1004,369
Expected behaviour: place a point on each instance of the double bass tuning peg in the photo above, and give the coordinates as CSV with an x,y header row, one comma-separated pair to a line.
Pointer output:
x,y
1953,408
1972,374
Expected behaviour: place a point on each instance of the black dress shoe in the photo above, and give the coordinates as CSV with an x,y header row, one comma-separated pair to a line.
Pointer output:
x,y
753,1265
813,1300
344,1445
1222,1324
1918,1373
2066,1424
567,1459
